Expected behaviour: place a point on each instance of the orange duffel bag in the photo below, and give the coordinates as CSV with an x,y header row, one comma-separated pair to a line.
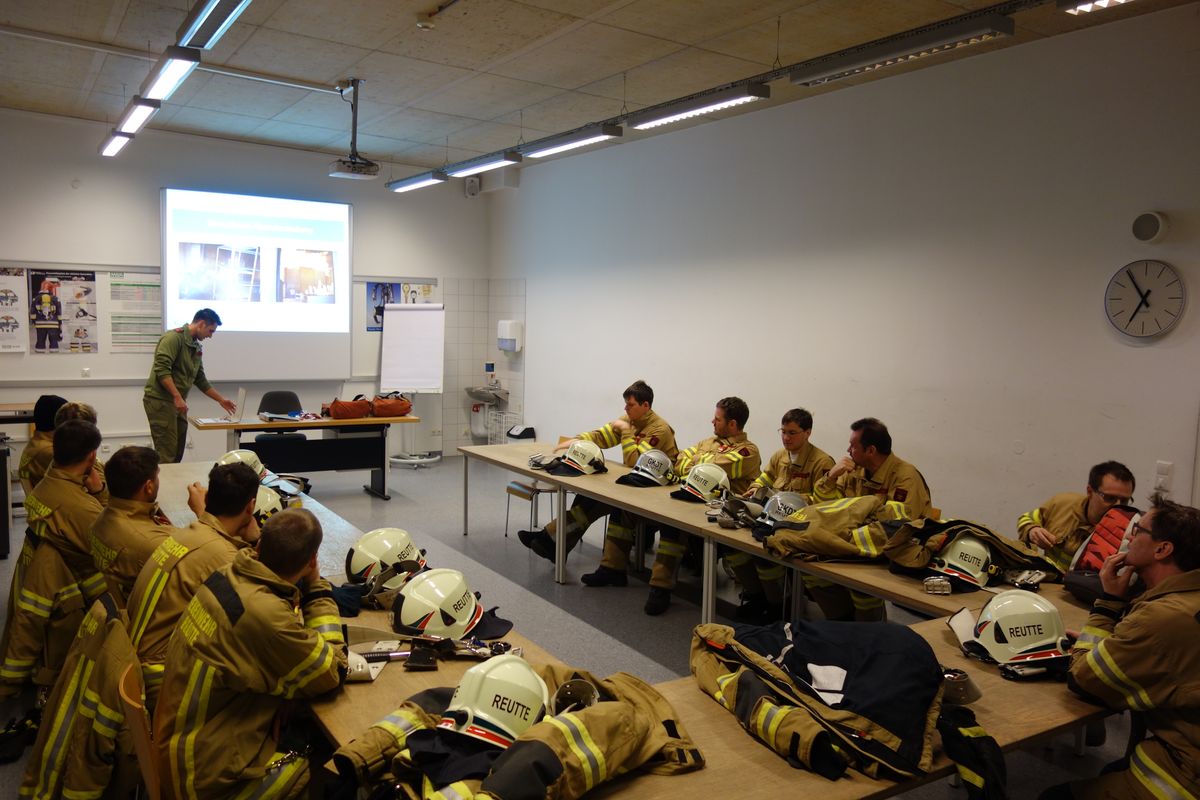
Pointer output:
x,y
357,408
391,405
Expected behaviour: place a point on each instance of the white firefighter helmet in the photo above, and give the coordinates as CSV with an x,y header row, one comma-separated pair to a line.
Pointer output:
x,y
267,504
782,505
247,457
655,465
1020,627
437,602
497,701
379,549
966,558
706,481
584,456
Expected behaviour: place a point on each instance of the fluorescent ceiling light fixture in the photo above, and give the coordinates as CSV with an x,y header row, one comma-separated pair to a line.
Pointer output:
x,y
137,113
418,181
897,51
1078,7
590,135
208,21
115,143
169,71
705,104
493,161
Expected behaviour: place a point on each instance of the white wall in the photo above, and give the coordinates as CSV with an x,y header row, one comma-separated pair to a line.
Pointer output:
x,y
930,248
63,203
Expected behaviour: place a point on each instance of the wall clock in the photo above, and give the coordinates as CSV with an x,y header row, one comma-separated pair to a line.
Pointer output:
x,y
1145,299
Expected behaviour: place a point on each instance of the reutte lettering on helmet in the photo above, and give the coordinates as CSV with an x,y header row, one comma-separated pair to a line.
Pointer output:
x,y
511,706
1021,631
462,602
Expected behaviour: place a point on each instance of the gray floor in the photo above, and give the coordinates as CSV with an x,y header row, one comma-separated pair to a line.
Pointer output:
x,y
602,630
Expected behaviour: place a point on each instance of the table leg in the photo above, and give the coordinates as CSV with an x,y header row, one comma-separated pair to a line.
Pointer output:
x,y
708,580
233,439
799,601
466,466
560,539
379,475
639,545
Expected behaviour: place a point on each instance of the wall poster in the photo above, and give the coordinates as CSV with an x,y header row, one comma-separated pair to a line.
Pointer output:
x,y
381,294
134,311
62,311
13,314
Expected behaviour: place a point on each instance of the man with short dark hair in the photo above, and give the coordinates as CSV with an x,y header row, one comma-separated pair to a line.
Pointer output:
x,y
637,431
260,631
1065,521
1143,654
184,560
38,453
868,468
132,525
178,366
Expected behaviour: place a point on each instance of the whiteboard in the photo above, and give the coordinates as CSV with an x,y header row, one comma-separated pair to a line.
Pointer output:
x,y
412,351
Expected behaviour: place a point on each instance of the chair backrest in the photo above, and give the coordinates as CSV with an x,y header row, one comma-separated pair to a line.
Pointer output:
x,y
139,728
279,401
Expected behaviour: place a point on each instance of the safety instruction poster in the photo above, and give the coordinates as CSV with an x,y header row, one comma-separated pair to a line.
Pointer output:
x,y
62,311
381,294
134,311
14,337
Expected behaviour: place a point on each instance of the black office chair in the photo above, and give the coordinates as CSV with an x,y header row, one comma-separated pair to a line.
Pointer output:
x,y
279,402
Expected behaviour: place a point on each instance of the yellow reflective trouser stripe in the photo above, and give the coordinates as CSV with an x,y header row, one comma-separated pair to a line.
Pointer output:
x,y
768,571
619,532
865,602
78,794
189,721
1157,780
277,781
458,790
863,542
970,776
1106,669
149,601
813,582
55,752
737,558
722,682
767,720
1089,637
313,665
837,505
671,549
17,669
591,757
34,603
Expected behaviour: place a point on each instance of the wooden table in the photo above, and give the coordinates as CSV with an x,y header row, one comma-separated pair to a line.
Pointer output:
x,y
355,444
10,414
656,504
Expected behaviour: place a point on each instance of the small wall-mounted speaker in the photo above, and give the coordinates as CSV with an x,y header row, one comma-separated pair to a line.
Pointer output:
x,y
471,186
1150,227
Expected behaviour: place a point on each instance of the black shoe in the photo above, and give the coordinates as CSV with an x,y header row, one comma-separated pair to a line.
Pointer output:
x,y
605,576
753,610
658,601
539,542
18,735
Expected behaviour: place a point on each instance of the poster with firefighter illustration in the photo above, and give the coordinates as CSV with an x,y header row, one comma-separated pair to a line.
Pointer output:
x,y
13,336
62,311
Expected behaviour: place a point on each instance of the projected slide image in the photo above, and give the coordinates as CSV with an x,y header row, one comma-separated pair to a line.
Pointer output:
x,y
306,276
219,272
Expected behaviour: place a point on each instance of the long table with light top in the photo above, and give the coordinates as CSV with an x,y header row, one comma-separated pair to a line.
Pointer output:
x,y
656,504
355,444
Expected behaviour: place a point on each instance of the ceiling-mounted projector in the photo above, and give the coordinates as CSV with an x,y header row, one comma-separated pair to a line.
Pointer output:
x,y
353,166
357,169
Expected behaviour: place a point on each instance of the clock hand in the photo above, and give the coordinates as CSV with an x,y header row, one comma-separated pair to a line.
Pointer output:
x,y
1137,288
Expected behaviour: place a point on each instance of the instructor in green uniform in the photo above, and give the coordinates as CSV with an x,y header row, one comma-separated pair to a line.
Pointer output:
x,y
178,365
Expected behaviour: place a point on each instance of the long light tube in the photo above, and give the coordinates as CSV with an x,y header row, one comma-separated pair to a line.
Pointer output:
x,y
169,71
137,114
208,21
705,104
418,181
593,134
115,143
926,43
1079,7
493,161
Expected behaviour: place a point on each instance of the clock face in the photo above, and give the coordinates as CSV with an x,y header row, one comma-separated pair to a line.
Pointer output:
x,y
1145,299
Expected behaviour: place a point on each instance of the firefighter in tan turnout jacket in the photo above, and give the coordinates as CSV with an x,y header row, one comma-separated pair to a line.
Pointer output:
x,y
869,468
1144,656
1063,523
258,633
637,431
184,560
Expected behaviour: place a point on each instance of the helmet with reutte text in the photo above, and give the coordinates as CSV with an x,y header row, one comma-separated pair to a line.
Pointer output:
x,y
380,549
247,457
1020,627
706,481
497,701
967,558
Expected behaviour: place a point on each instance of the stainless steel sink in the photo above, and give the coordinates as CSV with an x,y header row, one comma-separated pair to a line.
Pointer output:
x,y
492,395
